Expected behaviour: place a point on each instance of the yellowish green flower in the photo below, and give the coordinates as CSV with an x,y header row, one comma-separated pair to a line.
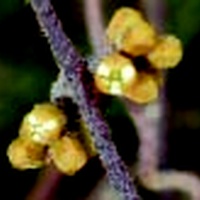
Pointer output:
x,y
133,37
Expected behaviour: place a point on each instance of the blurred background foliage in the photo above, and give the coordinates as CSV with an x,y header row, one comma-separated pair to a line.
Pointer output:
x,y
27,70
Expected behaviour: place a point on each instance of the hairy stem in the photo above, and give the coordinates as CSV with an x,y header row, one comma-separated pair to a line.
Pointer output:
x,y
80,80
153,116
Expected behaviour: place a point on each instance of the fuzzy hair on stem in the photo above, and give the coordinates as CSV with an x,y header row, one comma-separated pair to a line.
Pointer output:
x,y
80,80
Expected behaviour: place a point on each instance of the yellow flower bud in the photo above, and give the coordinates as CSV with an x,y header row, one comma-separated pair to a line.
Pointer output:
x,y
68,155
167,53
139,40
123,20
129,32
144,90
115,74
43,124
24,154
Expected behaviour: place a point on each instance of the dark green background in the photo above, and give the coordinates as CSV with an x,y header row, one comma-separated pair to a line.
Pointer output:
x,y
27,70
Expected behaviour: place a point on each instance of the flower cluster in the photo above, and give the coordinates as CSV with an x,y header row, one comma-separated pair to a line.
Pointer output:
x,y
43,136
43,139
134,70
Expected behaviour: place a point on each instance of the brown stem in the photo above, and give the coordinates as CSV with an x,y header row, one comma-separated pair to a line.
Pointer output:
x,y
46,184
151,142
95,26
155,12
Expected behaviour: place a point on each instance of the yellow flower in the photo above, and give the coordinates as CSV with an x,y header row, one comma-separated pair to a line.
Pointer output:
x,y
123,20
144,90
68,155
115,74
24,154
40,142
43,124
129,32
133,38
167,53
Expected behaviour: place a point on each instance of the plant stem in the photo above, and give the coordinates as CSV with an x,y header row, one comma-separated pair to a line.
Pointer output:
x,y
46,185
95,26
81,82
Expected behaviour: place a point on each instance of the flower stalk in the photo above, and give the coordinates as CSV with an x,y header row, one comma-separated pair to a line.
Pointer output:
x,y
80,80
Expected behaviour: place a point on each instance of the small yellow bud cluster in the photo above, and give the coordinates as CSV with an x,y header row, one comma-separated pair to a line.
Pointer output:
x,y
133,37
40,141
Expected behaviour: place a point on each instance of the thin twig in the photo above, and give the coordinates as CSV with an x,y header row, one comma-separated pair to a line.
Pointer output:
x,y
46,184
103,191
151,141
148,133
155,11
96,31
150,120
95,26
80,80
